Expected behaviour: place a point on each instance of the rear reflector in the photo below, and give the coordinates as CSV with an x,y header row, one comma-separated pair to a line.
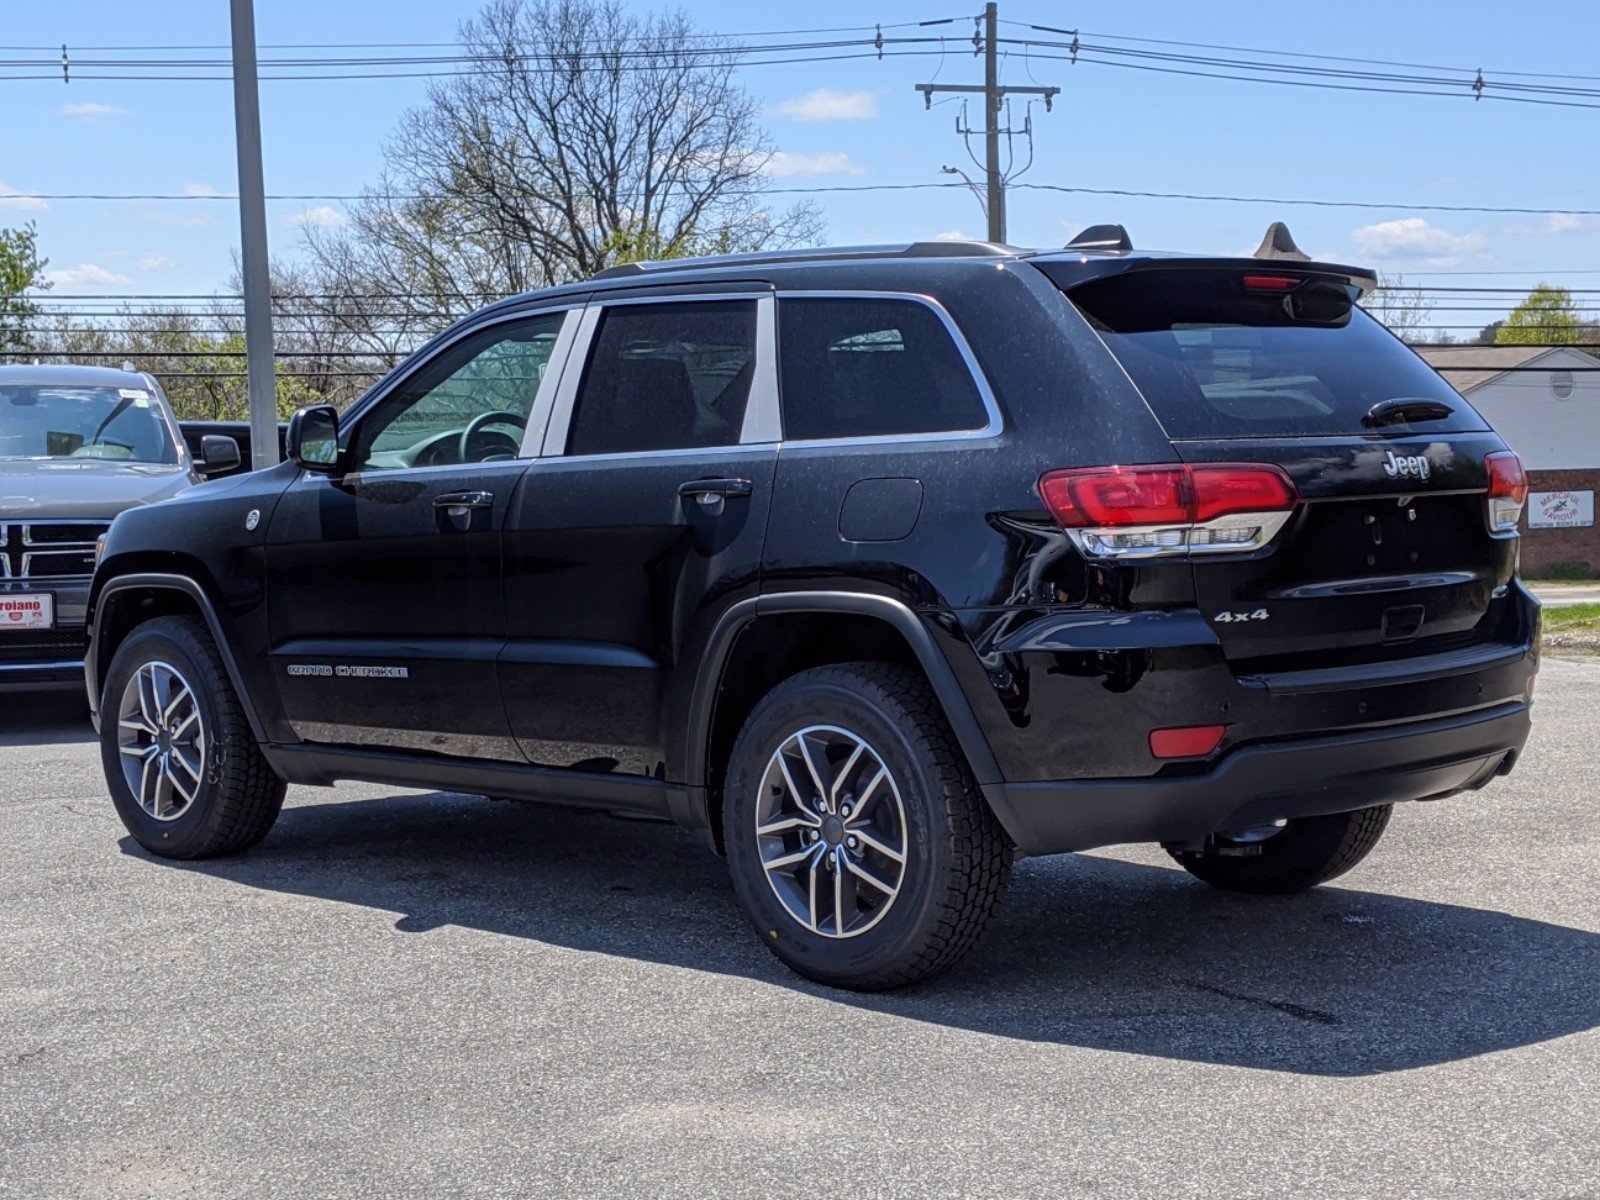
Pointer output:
x,y
1508,490
1144,511
1186,741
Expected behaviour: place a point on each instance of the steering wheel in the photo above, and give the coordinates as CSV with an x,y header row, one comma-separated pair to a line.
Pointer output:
x,y
474,426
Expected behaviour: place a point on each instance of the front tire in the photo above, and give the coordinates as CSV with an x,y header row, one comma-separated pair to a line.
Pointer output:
x,y
184,771
860,846
1301,854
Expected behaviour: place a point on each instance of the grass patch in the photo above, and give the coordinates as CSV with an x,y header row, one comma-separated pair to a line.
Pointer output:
x,y
1576,628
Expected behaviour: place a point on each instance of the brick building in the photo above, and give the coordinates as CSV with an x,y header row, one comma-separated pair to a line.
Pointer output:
x,y
1546,404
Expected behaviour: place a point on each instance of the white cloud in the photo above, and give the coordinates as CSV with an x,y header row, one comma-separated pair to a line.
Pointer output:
x,y
321,216
201,189
1445,181
953,235
1413,238
156,261
826,104
90,113
85,273
783,165
1556,223
12,200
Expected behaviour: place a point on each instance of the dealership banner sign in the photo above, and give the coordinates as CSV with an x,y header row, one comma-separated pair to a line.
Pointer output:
x,y
1560,510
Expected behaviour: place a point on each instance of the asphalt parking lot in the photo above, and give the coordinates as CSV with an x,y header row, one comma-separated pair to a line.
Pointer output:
x,y
435,995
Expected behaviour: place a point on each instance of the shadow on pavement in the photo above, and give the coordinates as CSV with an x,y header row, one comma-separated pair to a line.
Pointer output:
x,y
45,717
1088,952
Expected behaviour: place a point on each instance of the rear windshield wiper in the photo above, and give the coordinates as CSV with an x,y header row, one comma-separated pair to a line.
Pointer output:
x,y
1405,410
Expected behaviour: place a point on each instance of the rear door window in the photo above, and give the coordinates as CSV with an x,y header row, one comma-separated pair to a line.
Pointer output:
x,y
869,367
666,377
1215,359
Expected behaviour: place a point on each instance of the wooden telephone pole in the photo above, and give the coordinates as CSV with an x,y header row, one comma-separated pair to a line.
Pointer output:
x,y
993,99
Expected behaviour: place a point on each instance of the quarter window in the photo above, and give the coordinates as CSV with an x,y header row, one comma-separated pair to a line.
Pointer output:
x,y
869,366
666,377
470,403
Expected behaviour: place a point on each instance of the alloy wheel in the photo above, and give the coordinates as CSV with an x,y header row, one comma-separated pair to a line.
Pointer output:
x,y
831,831
161,739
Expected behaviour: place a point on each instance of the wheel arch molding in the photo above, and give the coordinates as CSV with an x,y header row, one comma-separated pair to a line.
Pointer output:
x,y
699,768
107,631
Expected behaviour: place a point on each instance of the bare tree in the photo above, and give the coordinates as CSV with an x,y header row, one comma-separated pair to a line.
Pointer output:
x,y
582,135
1405,310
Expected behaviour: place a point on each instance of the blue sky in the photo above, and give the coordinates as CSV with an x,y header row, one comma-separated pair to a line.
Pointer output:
x,y
1111,128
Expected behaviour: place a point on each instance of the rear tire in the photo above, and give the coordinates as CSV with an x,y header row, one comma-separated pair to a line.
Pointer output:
x,y
184,770
1305,852
848,912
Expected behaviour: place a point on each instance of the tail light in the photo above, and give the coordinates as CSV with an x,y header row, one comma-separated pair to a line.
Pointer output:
x,y
1508,490
1146,512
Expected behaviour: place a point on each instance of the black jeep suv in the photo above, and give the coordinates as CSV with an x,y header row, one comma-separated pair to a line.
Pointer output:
x,y
879,566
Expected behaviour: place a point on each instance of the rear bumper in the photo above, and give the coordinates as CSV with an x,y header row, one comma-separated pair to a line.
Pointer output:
x,y
1260,783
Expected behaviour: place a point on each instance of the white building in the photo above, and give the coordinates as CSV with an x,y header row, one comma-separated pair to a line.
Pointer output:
x,y
1546,404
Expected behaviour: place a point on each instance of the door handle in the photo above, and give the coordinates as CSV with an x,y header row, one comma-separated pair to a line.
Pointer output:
x,y
464,500
710,491
459,506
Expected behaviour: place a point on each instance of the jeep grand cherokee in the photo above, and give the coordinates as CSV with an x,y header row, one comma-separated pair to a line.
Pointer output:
x,y
879,566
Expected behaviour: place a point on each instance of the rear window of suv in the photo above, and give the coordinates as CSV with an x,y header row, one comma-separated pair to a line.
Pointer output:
x,y
1215,359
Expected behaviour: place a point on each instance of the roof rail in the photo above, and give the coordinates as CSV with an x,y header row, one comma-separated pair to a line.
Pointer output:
x,y
936,249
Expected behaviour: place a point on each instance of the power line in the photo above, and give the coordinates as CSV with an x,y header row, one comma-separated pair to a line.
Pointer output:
x,y
1313,203
1131,193
756,33
1472,85
1113,37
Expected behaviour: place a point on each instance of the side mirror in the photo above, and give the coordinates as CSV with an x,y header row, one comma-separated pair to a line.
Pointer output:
x,y
218,455
312,440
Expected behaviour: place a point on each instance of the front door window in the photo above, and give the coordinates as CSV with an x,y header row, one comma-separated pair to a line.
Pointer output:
x,y
470,404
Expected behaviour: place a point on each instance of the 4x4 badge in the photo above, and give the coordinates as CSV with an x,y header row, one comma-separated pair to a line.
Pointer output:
x,y
1415,466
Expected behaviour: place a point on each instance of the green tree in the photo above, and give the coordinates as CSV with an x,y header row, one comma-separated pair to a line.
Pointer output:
x,y
1405,310
1547,315
21,271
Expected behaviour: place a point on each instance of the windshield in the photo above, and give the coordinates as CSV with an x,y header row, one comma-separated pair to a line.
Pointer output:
x,y
1215,360
43,421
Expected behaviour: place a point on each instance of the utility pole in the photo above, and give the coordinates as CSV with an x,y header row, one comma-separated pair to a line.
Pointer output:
x,y
991,123
993,101
261,377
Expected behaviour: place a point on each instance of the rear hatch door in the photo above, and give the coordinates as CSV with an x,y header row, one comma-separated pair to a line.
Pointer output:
x,y
1389,554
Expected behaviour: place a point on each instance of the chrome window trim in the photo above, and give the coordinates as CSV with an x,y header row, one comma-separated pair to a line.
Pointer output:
x,y
652,455
761,430
544,399
993,428
763,418
360,476
560,420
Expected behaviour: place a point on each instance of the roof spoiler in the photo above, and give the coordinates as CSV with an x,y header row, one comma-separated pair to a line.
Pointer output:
x,y
1279,244
1102,237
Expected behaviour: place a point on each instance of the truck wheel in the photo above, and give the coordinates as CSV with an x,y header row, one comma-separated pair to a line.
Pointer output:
x,y
184,770
1292,857
859,844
